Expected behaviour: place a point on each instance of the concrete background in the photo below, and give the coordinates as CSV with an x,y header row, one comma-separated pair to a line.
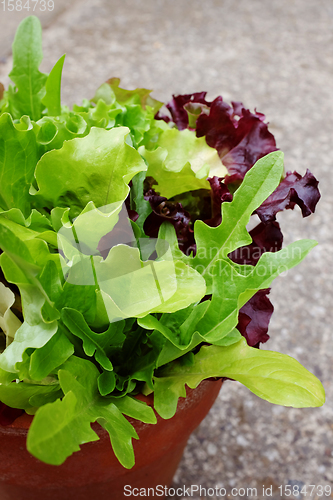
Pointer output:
x,y
276,56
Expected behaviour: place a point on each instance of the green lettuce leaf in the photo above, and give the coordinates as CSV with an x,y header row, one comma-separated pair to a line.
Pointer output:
x,y
20,395
180,327
138,203
94,344
9,323
22,262
88,228
53,354
232,290
52,98
36,335
52,131
107,382
136,96
6,377
26,98
273,376
214,243
211,321
103,110
18,158
133,288
113,106
59,428
182,162
97,169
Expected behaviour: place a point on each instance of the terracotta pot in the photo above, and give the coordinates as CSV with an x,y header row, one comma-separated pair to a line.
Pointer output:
x,y
94,472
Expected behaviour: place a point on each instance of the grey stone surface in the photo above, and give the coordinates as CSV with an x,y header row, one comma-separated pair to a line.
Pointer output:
x,y
275,56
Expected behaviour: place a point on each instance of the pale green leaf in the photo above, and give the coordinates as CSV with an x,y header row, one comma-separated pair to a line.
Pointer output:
x,y
36,335
182,162
273,376
94,168
9,323
53,354
52,98
134,288
29,81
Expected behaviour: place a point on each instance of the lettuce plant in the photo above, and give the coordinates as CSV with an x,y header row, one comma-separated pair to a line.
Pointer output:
x,y
126,263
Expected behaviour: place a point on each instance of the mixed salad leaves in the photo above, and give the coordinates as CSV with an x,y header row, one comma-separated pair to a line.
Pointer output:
x,y
126,263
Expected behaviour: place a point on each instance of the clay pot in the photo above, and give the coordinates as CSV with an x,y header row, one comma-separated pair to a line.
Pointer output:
x,y
94,472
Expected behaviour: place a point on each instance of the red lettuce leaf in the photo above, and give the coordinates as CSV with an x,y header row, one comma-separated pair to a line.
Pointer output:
x,y
182,218
178,112
293,190
240,137
255,315
254,318
219,194
171,211
220,126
